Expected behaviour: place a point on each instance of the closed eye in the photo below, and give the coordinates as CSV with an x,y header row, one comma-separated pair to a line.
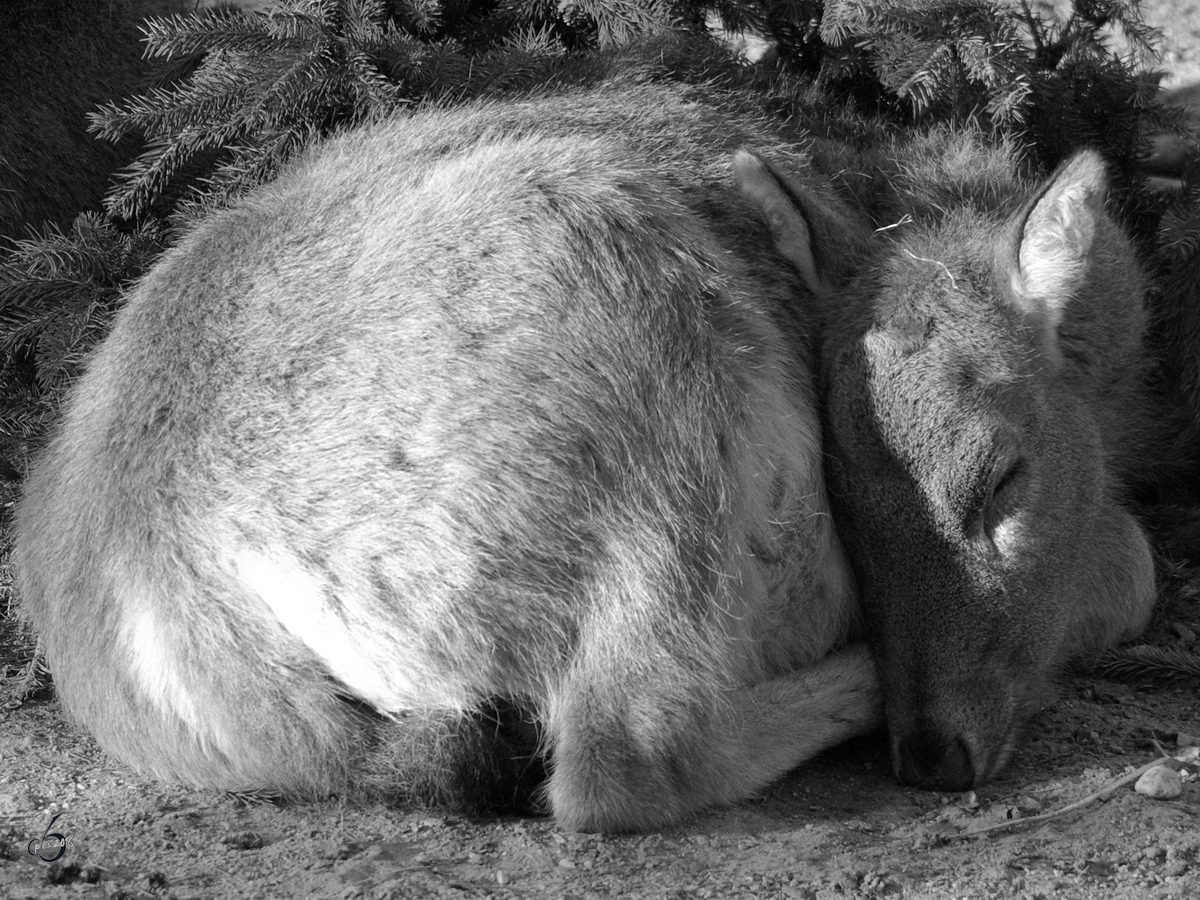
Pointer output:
x,y
1003,499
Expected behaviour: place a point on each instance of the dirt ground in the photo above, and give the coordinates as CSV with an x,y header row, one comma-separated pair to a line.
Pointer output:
x,y
840,827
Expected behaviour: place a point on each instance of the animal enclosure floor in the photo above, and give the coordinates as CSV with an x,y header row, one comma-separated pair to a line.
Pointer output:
x,y
838,828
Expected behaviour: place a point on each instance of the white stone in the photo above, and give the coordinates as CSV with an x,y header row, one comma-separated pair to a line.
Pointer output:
x,y
1161,783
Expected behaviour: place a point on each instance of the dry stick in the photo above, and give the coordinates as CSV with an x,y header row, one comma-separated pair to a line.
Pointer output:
x,y
1071,807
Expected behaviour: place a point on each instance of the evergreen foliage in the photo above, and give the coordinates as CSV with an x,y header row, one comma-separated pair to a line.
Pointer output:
x,y
58,293
1143,662
262,86
241,93
1176,330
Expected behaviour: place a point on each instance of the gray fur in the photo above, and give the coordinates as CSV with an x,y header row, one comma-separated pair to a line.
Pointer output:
x,y
986,404
511,402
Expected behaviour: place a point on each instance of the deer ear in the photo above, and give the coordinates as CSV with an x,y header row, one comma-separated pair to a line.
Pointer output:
x,y
776,202
1054,244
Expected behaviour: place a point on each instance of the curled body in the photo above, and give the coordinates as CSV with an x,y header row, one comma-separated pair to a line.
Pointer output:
x,y
501,408
986,411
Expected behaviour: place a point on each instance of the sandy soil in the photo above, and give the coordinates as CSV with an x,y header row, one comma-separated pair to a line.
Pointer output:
x,y
840,827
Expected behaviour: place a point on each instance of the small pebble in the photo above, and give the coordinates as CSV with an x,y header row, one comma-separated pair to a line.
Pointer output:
x,y
157,881
338,850
62,874
1161,783
501,877
244,840
1175,869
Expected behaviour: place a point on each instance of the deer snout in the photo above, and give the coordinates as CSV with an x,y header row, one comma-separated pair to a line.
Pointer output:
x,y
931,760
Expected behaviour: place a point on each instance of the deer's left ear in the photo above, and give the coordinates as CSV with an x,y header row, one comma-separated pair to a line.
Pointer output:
x,y
1054,242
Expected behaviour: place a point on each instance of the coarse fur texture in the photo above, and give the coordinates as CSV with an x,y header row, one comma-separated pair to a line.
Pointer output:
x,y
986,408
480,434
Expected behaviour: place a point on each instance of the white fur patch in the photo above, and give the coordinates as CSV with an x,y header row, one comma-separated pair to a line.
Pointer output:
x,y
154,667
1008,536
358,651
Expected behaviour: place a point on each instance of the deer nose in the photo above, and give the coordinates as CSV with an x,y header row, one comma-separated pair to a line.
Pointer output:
x,y
934,762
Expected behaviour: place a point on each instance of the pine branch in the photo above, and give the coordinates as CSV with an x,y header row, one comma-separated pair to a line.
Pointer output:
x,y
58,293
1148,662
618,21
305,66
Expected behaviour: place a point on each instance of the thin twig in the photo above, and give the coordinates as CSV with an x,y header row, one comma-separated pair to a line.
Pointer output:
x,y
1104,792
